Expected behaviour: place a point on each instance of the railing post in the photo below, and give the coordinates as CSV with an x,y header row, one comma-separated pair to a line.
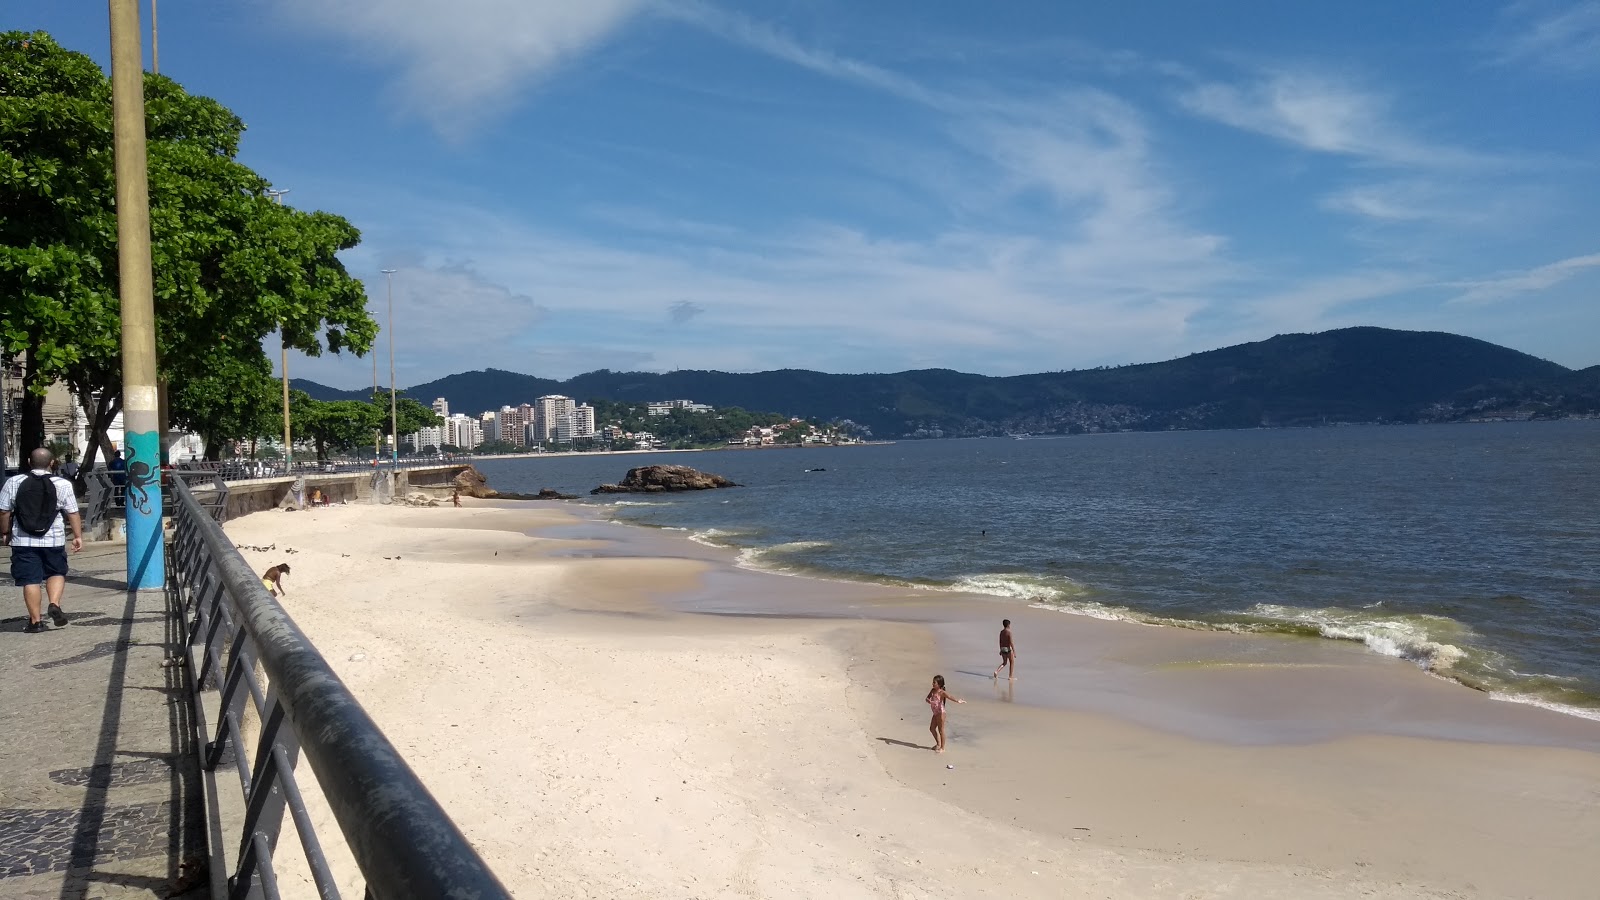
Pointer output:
x,y
405,845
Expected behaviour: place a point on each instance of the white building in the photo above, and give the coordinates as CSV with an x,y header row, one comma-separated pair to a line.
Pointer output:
x,y
553,419
583,421
462,431
441,408
663,407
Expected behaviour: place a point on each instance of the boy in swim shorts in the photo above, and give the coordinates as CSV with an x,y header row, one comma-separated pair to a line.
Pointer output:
x,y
1008,652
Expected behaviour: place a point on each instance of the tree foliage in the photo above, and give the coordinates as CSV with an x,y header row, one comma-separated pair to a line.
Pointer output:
x,y
337,425
231,266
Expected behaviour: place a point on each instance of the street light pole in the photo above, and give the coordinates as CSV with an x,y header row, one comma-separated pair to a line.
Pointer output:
x,y
377,430
283,345
394,418
146,553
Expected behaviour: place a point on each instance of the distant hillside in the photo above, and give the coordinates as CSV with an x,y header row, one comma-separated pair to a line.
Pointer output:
x,y
1349,375
1567,394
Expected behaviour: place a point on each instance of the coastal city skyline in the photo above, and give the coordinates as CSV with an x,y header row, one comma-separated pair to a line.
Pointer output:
x,y
688,185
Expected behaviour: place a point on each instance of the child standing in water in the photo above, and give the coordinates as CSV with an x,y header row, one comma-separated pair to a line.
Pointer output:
x,y
936,698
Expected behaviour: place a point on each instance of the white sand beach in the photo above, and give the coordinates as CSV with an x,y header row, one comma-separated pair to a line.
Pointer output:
x,y
593,739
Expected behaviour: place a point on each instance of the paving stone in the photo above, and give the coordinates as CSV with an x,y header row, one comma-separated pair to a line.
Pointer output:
x,y
99,790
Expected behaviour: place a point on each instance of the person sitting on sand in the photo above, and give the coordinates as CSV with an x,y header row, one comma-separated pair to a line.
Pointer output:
x,y
318,498
272,580
936,698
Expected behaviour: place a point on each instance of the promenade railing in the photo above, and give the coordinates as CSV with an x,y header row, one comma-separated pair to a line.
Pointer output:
x,y
236,632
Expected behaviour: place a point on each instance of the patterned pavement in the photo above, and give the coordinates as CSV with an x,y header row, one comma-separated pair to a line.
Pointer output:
x,y
99,793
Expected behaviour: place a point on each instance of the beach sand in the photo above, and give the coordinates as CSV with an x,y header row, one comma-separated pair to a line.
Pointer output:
x,y
556,683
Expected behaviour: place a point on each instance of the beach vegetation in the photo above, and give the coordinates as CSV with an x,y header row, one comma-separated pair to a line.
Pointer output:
x,y
231,266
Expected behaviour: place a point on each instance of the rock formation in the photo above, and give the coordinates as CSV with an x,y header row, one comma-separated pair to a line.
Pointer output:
x,y
657,479
471,483
552,494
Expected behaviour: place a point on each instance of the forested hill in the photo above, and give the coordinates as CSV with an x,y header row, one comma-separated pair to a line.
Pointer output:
x,y
1348,375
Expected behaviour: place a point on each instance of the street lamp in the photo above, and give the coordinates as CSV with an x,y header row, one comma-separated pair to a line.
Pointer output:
x,y
283,344
394,419
377,430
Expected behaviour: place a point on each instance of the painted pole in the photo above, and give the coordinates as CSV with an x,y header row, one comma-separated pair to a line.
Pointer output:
x,y
142,438
394,418
283,346
377,431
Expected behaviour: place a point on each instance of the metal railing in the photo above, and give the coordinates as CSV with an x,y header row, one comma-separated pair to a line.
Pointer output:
x,y
403,842
235,470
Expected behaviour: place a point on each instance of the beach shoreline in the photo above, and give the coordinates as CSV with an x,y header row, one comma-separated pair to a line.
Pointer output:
x,y
802,692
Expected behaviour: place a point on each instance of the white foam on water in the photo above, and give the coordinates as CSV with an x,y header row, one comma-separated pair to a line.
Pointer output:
x,y
1419,638
1530,700
714,537
762,558
1094,611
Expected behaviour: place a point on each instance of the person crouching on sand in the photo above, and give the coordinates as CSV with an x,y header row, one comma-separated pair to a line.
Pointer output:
x,y
936,698
272,579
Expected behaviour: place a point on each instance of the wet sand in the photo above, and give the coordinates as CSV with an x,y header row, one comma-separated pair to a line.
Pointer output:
x,y
619,711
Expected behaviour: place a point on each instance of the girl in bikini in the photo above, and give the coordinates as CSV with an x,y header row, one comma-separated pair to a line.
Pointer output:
x,y
936,698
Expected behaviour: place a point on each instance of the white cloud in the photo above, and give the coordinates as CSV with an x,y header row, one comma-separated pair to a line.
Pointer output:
x,y
462,60
1323,114
740,29
1506,286
1312,303
1565,39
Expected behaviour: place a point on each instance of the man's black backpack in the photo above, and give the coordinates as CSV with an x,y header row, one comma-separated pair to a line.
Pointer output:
x,y
36,505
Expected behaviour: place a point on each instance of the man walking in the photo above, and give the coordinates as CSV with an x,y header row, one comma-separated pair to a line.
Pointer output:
x,y
1008,652
35,510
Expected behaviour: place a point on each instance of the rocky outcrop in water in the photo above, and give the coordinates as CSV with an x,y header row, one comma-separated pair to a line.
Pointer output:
x,y
659,479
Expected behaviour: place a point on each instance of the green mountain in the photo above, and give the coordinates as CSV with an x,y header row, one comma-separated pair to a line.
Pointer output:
x,y
1348,375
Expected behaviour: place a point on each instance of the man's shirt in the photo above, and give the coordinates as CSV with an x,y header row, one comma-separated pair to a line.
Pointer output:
x,y
66,502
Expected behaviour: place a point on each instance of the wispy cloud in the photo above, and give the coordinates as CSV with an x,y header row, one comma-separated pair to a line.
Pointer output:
x,y
1507,286
464,60
1326,115
741,29
1561,37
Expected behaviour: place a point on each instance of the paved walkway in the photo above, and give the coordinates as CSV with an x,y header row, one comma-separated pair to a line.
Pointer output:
x,y
99,792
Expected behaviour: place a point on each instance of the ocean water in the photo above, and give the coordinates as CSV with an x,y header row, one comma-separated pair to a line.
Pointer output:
x,y
1471,550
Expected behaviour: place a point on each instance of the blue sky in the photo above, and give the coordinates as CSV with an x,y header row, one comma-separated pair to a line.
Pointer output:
x,y
871,187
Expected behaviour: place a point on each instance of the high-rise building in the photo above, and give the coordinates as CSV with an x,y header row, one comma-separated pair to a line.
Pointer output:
x,y
441,408
582,421
462,431
553,419
512,423
489,425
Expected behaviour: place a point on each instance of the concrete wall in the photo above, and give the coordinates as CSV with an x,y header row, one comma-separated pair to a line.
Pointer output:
x,y
257,494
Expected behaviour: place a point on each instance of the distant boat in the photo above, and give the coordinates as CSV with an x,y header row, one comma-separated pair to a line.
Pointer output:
x,y
816,470
1022,436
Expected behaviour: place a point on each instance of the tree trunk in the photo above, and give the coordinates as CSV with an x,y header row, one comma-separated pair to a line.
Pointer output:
x,y
101,412
30,428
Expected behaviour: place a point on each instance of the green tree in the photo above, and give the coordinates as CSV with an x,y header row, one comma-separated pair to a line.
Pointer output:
x,y
339,425
231,266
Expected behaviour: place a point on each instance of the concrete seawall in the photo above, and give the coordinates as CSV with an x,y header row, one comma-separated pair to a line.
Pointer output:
x,y
250,495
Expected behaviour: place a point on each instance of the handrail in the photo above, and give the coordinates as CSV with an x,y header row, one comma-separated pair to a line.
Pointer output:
x,y
403,841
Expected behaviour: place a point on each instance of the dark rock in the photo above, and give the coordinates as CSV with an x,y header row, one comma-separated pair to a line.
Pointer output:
x,y
553,494
658,479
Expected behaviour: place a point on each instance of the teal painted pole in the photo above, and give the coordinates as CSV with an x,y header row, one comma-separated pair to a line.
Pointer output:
x,y
140,407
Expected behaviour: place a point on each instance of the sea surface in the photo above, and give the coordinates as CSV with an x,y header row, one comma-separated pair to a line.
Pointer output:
x,y
1471,550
